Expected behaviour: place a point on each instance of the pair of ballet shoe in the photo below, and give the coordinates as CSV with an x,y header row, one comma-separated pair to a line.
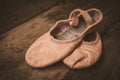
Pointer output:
x,y
73,41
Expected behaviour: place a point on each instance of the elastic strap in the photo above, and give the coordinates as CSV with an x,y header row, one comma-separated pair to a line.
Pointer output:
x,y
74,17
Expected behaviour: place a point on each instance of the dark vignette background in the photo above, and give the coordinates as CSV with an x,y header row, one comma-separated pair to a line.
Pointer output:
x,y
16,12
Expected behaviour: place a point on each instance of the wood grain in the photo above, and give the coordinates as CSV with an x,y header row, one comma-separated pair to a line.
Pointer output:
x,y
15,42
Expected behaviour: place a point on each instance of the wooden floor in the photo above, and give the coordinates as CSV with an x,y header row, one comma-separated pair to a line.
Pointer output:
x,y
15,42
16,12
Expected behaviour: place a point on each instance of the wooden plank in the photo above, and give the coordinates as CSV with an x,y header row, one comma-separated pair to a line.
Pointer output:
x,y
15,12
